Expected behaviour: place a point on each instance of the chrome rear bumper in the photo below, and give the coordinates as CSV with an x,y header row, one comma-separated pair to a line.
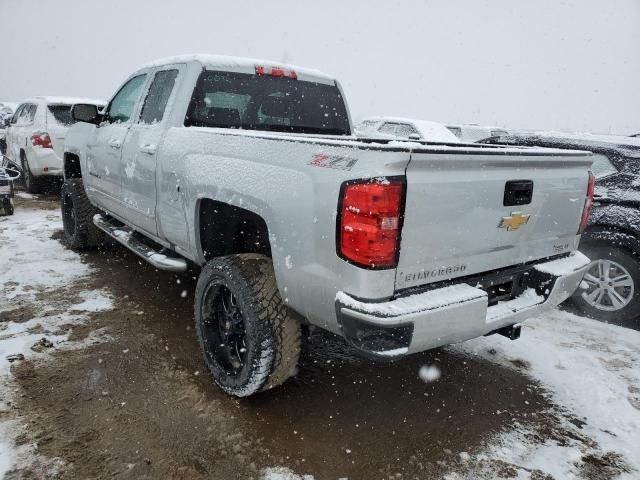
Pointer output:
x,y
454,313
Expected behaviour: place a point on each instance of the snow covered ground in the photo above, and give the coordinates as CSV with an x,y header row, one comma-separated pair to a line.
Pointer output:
x,y
34,321
592,371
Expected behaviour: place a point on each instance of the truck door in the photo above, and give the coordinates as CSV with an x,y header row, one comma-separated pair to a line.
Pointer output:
x,y
104,146
140,148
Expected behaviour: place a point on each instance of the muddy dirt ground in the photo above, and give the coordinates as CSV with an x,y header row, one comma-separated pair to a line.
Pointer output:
x,y
140,403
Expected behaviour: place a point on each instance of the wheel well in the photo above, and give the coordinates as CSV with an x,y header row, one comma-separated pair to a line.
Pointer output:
x,y
226,229
72,166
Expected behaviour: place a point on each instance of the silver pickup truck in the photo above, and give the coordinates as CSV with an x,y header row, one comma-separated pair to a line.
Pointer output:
x,y
248,169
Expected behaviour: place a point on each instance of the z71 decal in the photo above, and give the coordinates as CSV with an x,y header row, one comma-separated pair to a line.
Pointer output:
x,y
333,161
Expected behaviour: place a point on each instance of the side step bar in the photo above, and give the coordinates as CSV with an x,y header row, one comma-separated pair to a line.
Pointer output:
x,y
127,237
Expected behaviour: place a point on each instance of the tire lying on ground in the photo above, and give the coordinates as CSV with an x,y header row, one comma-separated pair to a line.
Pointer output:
x,y
77,216
247,335
613,281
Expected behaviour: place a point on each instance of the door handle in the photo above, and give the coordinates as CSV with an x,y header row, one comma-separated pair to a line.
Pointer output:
x,y
148,148
115,143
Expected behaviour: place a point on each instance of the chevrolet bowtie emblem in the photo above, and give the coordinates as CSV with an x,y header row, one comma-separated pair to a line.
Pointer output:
x,y
514,221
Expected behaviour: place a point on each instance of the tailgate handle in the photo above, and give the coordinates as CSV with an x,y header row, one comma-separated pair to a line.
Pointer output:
x,y
518,192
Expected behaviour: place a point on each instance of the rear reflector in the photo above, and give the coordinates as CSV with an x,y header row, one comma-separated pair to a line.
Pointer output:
x,y
41,139
588,204
370,221
276,72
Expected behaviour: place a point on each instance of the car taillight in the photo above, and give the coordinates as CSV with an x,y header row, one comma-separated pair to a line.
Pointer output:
x,y
41,139
370,222
276,72
588,204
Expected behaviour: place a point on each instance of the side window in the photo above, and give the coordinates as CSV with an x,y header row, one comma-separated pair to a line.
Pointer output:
x,y
388,128
404,130
32,113
16,115
121,107
26,114
602,166
158,96
455,130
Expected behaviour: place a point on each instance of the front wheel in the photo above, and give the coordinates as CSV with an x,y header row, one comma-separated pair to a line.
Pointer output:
x,y
613,284
249,340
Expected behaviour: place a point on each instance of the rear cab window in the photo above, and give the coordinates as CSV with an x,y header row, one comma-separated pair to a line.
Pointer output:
x,y
261,102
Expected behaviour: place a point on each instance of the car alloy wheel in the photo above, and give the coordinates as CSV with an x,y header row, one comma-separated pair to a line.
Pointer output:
x,y
223,329
610,286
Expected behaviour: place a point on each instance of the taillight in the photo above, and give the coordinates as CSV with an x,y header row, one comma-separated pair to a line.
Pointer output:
x,y
41,139
276,72
370,222
588,204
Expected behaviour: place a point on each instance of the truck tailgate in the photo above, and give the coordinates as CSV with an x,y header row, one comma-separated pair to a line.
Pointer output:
x,y
456,222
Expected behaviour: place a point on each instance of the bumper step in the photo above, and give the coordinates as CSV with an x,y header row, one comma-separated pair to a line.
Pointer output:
x,y
160,258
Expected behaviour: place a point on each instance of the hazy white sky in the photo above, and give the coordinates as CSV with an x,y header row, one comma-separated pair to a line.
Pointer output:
x,y
556,64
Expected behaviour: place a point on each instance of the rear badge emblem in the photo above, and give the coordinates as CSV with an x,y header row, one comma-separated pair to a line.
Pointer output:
x,y
514,221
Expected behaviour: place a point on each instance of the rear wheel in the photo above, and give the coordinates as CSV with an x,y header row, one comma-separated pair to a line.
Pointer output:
x,y
613,284
77,216
31,184
248,338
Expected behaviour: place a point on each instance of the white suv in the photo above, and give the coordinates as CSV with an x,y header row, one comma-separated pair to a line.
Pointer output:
x,y
35,137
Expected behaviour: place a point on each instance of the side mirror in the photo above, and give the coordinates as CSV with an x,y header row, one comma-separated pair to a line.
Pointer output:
x,y
85,112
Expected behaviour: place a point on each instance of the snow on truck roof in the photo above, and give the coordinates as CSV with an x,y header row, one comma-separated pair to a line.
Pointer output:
x,y
229,62
51,100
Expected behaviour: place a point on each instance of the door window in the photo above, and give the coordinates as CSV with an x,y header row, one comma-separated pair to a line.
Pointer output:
x,y
16,115
27,114
404,130
158,97
121,107
388,128
32,113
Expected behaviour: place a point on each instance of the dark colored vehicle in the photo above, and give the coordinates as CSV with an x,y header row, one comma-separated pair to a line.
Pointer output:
x,y
612,239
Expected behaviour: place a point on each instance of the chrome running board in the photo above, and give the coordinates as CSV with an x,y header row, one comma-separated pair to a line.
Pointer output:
x,y
161,259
